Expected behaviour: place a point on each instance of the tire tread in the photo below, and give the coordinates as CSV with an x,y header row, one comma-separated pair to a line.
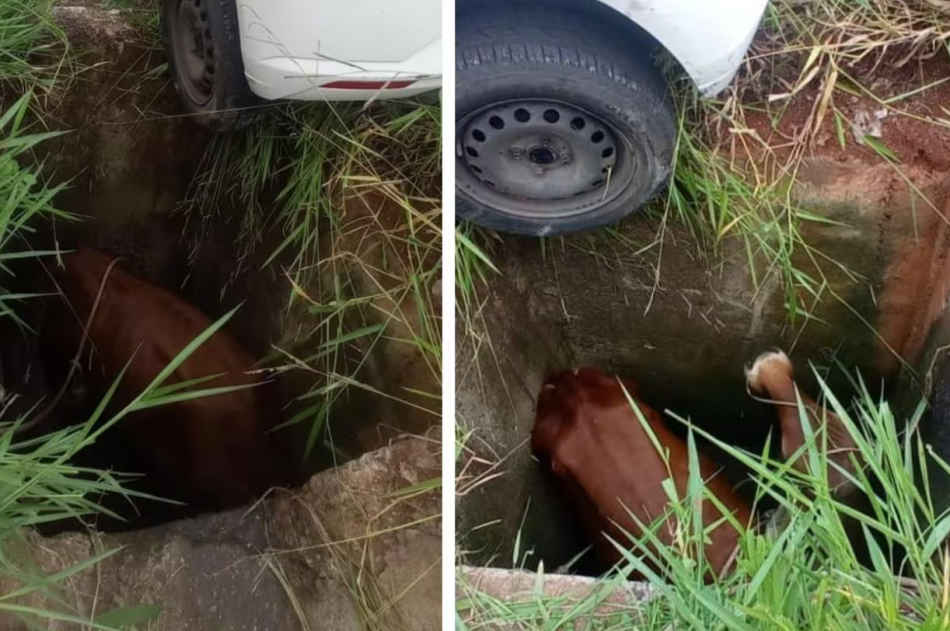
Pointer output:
x,y
549,40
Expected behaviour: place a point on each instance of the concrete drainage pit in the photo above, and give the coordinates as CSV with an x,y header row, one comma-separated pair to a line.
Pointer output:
x,y
172,277
683,329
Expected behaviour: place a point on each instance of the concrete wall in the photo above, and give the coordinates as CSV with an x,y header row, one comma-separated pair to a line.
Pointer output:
x,y
344,553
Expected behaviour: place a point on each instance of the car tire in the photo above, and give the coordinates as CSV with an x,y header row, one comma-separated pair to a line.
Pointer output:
x,y
561,126
203,43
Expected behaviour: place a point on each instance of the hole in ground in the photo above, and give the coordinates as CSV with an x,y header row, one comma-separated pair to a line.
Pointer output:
x,y
153,251
582,313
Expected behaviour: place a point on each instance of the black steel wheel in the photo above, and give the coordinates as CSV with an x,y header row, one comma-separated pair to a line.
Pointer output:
x,y
559,127
202,42
542,159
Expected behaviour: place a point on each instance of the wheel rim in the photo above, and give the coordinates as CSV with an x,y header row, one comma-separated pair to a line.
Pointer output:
x,y
194,50
542,159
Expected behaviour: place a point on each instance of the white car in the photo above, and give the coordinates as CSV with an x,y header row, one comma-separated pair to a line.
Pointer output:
x,y
227,55
564,123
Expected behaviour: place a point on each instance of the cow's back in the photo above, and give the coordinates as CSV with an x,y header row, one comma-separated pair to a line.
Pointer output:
x,y
608,466
213,451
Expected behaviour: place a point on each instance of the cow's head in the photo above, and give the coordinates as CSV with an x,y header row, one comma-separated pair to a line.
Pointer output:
x,y
569,398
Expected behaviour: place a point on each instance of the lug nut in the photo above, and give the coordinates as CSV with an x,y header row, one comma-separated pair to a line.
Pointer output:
x,y
517,153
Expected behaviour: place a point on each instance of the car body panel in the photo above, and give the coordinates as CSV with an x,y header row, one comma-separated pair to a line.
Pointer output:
x,y
330,50
708,38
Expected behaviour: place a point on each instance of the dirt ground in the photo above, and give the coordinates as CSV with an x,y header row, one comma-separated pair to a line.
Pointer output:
x,y
905,125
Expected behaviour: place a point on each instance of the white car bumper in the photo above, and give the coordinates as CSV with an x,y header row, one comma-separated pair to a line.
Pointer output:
x,y
709,38
284,77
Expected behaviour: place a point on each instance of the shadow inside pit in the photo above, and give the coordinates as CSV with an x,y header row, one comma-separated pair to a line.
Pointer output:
x,y
35,373
155,248
153,251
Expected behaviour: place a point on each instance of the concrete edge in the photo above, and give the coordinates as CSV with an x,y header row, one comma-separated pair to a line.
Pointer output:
x,y
514,586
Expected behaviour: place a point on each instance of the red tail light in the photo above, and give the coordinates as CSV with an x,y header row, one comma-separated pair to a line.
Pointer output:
x,y
368,85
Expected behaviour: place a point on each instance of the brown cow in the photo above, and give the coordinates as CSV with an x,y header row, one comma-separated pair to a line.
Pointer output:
x,y
607,465
212,452
605,460
772,375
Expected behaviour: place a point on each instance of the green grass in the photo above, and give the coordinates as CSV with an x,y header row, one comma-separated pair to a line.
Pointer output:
x,y
729,184
23,200
37,483
144,16
357,194
345,202
473,270
33,49
720,200
802,574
